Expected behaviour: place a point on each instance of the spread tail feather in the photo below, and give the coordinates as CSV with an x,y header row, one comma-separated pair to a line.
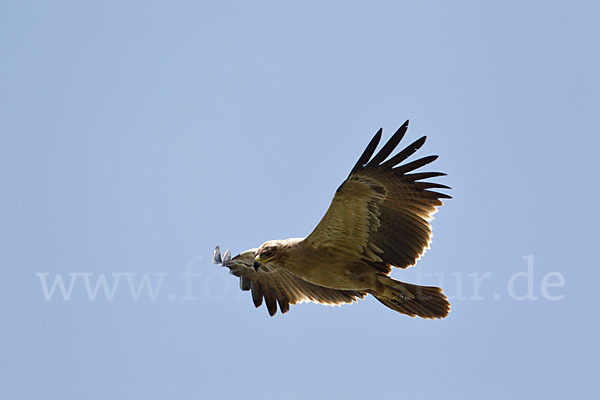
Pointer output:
x,y
413,300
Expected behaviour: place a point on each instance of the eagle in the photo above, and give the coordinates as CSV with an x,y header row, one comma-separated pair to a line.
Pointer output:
x,y
379,218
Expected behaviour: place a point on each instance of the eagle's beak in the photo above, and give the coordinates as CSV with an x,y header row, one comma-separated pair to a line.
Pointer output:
x,y
259,262
256,264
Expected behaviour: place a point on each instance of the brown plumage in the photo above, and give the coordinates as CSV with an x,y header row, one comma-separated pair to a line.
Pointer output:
x,y
378,219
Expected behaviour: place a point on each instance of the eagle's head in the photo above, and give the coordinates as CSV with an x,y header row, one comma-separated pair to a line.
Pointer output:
x,y
268,252
274,252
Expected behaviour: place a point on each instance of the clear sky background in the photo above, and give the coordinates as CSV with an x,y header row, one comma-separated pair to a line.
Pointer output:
x,y
136,136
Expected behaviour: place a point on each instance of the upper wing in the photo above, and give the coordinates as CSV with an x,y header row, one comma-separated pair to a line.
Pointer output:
x,y
283,288
381,212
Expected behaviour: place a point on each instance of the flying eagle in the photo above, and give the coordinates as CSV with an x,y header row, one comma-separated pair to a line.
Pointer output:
x,y
378,219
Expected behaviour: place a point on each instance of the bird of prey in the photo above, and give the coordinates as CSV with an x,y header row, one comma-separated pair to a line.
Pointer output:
x,y
378,219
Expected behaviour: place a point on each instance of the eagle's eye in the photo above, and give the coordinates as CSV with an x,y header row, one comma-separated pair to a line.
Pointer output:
x,y
267,253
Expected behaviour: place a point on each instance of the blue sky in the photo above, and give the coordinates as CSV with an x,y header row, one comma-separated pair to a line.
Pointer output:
x,y
136,136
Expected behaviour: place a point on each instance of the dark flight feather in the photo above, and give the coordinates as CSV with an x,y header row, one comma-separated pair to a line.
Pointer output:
x,y
391,144
404,154
411,166
366,155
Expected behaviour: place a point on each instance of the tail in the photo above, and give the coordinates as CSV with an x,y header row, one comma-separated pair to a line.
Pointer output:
x,y
412,300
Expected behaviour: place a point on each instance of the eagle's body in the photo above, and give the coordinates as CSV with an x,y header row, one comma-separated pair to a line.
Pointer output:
x,y
378,219
342,272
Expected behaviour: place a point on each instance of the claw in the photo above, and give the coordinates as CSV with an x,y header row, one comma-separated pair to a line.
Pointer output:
x,y
216,258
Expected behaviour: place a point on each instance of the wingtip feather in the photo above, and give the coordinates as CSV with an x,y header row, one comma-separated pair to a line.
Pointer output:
x,y
391,144
369,150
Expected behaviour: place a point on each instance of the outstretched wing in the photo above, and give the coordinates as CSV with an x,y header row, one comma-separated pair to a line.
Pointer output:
x,y
283,288
381,213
